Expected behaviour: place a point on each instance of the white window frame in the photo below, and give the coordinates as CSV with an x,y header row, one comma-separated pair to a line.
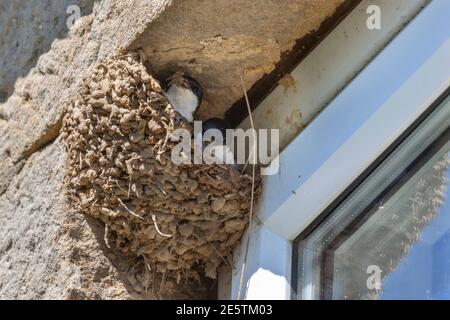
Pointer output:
x,y
343,141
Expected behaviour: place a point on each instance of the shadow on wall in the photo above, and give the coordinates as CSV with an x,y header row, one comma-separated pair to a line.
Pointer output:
x,y
137,279
27,30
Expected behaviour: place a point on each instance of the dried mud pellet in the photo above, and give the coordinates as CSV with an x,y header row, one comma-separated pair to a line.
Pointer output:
x,y
186,229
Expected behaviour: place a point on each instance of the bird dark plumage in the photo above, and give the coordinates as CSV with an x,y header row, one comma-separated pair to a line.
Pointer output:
x,y
195,87
216,123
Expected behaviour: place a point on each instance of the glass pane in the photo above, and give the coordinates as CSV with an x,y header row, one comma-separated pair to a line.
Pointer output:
x,y
406,241
390,239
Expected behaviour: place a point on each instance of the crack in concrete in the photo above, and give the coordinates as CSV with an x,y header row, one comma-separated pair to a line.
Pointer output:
x,y
18,166
50,134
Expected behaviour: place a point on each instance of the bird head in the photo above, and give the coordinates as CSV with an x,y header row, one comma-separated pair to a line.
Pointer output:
x,y
219,153
185,95
216,123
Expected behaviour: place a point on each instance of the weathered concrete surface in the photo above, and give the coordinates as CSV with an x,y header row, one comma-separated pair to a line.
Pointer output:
x,y
217,40
28,30
31,117
46,250
41,254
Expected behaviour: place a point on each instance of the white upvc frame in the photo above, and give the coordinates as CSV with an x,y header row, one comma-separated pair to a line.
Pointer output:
x,y
354,130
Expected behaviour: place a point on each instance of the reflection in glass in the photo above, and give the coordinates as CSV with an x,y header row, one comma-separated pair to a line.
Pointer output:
x,y
390,238
407,238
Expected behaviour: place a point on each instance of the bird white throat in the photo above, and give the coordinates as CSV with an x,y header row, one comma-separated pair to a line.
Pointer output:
x,y
183,100
214,153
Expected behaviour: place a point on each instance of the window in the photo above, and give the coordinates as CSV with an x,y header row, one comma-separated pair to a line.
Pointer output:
x,y
359,204
389,238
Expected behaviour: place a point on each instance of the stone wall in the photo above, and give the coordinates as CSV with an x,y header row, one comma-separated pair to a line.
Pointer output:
x,y
47,249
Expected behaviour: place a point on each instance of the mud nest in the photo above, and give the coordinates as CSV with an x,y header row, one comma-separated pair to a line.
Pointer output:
x,y
183,220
